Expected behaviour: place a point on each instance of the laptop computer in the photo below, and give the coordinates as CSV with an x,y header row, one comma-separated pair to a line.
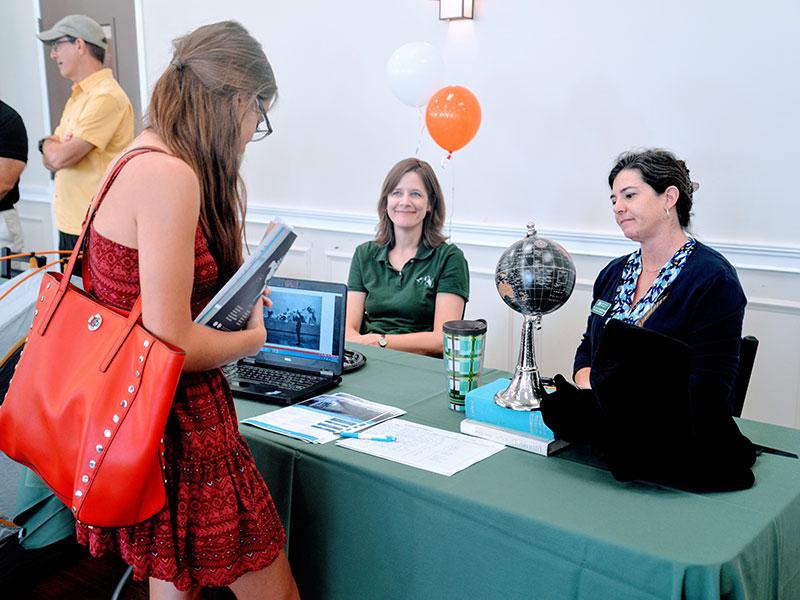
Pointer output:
x,y
304,352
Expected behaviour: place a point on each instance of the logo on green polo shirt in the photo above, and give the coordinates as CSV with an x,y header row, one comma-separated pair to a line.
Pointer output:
x,y
425,280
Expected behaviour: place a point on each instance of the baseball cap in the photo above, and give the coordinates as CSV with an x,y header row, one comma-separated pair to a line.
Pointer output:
x,y
77,26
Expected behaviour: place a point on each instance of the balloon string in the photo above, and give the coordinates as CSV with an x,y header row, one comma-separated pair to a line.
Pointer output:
x,y
452,196
421,124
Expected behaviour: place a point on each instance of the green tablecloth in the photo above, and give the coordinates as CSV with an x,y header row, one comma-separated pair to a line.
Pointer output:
x,y
519,525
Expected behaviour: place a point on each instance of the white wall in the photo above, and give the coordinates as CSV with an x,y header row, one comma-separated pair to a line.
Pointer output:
x,y
19,79
563,88
19,87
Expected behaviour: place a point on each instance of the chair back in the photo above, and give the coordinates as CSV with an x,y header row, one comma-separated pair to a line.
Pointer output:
x,y
747,356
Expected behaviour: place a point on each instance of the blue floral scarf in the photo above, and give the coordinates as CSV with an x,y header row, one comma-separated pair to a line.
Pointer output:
x,y
623,308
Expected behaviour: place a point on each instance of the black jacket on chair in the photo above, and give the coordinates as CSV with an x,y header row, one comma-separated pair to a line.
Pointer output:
x,y
641,415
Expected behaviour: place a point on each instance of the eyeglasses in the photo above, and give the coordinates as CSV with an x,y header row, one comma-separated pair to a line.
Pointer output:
x,y
56,43
264,128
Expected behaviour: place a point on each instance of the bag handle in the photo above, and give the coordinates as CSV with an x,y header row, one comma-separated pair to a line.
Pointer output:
x,y
87,222
133,318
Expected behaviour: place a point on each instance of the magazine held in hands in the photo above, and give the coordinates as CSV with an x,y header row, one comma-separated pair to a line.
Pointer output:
x,y
230,308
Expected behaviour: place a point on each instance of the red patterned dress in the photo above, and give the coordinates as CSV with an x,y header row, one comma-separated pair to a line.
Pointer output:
x,y
219,521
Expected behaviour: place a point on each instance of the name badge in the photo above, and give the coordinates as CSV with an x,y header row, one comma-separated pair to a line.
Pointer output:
x,y
601,307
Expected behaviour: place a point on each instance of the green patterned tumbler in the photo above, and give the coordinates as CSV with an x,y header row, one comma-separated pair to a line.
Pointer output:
x,y
463,358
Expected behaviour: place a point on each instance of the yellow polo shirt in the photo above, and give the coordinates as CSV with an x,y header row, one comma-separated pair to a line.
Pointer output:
x,y
99,112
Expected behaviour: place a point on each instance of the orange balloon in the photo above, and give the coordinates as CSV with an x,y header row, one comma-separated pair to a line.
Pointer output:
x,y
453,117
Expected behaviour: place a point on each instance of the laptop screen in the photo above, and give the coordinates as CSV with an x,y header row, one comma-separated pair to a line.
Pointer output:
x,y
305,325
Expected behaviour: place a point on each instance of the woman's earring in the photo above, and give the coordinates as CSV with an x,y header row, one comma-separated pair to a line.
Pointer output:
x,y
666,212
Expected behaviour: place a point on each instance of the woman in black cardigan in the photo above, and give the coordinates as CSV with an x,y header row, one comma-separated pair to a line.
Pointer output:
x,y
663,337
672,284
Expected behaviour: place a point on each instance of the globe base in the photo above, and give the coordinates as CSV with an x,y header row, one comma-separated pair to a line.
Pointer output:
x,y
523,393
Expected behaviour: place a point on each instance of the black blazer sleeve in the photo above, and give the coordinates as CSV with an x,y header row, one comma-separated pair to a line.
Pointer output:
x,y
714,333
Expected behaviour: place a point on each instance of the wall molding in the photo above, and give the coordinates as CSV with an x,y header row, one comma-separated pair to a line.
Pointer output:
x,y
755,257
758,257
36,193
786,307
334,255
744,256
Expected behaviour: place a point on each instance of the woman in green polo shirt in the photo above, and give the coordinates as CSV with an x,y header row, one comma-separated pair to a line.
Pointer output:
x,y
408,282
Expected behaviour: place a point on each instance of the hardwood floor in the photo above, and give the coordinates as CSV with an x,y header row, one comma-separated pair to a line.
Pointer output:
x,y
79,576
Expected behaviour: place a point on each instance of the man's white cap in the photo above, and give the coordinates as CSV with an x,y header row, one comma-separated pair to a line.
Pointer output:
x,y
77,26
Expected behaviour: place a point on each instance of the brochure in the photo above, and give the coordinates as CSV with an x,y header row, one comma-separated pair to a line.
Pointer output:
x,y
230,308
322,418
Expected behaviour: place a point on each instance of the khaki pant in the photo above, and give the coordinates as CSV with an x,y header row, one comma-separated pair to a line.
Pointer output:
x,y
11,217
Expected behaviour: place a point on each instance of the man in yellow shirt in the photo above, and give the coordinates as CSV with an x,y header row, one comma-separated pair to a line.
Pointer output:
x,y
96,125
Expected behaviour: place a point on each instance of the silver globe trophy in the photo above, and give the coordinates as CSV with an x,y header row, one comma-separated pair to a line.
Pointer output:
x,y
534,276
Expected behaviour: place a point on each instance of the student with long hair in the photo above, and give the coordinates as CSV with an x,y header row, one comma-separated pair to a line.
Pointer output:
x,y
170,229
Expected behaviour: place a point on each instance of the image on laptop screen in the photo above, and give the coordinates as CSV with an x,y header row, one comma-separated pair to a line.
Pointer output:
x,y
305,325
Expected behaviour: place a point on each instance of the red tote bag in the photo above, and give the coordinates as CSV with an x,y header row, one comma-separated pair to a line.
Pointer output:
x,y
89,400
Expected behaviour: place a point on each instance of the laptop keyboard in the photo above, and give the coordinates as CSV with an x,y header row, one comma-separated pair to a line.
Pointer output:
x,y
286,380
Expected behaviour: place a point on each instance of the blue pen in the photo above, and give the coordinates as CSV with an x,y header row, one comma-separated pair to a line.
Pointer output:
x,y
372,438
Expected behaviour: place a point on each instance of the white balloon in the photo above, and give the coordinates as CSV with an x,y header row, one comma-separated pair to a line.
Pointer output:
x,y
415,71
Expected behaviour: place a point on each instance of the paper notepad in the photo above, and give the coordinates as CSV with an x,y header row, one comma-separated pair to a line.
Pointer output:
x,y
423,447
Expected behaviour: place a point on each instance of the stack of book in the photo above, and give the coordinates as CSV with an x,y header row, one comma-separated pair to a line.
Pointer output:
x,y
520,429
